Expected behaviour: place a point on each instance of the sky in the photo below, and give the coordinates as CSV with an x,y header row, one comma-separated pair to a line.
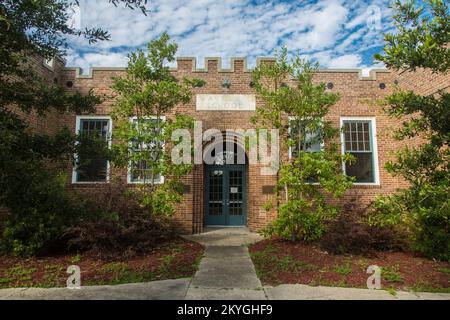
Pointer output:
x,y
336,33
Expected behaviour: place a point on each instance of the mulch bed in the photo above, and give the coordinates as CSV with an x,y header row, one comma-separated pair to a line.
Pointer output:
x,y
176,259
282,262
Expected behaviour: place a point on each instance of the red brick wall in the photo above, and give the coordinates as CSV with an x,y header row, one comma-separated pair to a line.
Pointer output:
x,y
49,123
423,82
358,97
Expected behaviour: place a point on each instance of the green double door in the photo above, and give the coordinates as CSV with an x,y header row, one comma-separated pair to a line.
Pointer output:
x,y
226,195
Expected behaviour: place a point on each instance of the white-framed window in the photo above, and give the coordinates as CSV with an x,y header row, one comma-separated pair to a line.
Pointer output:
x,y
358,138
296,130
94,170
138,171
49,63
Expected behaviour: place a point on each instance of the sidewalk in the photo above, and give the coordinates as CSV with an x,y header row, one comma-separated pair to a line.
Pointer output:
x,y
226,272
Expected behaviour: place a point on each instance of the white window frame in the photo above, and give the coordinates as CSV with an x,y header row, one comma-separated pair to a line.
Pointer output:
x,y
373,130
77,130
290,118
129,180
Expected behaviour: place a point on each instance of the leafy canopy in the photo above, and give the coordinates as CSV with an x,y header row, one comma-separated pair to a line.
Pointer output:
x,y
39,207
422,39
145,99
288,91
421,42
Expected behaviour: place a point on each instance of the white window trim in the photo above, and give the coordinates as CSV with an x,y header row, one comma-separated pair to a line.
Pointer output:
x,y
129,180
322,144
373,131
108,166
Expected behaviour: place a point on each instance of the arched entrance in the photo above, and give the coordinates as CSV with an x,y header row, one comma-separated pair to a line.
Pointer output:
x,y
226,187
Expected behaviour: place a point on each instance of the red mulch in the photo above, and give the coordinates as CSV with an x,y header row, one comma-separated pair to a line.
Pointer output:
x,y
175,259
309,265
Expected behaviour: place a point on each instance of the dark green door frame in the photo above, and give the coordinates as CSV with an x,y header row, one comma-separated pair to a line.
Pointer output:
x,y
226,195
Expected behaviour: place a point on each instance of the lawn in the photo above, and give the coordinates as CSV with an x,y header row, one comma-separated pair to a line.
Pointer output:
x,y
283,262
176,259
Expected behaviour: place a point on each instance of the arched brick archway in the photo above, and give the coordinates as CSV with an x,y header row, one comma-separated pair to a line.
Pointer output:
x,y
226,183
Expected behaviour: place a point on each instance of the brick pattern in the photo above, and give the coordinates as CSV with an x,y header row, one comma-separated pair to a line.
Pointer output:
x,y
423,82
358,98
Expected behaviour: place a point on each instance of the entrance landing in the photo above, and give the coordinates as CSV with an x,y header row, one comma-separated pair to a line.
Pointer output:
x,y
225,236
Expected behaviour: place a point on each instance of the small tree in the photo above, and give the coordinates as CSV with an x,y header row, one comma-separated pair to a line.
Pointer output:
x,y
145,98
312,173
421,41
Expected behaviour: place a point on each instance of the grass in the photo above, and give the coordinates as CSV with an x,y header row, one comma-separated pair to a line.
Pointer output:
x,y
75,259
176,260
20,273
392,291
167,262
114,267
268,264
391,274
424,286
344,269
278,262
444,270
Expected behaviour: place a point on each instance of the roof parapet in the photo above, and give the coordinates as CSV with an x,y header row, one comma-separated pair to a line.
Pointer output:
x,y
214,64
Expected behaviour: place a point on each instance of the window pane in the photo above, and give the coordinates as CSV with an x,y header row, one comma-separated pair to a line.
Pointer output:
x,y
347,127
362,168
303,137
93,168
357,135
141,173
360,126
141,170
366,126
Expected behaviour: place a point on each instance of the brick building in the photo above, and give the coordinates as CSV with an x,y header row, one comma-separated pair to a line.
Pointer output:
x,y
221,194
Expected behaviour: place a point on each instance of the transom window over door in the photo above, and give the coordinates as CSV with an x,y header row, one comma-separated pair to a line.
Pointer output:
x,y
92,168
359,140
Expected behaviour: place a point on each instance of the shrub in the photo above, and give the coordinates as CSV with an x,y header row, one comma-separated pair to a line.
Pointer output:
x,y
425,211
36,221
121,227
351,234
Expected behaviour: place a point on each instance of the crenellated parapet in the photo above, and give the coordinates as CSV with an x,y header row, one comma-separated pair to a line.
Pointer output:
x,y
215,65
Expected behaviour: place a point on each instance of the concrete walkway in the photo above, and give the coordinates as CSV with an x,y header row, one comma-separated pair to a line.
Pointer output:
x,y
157,290
226,272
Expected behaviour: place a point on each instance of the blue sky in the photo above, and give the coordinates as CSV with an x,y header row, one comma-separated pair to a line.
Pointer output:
x,y
337,33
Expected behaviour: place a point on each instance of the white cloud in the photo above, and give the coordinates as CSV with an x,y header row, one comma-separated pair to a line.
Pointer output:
x,y
98,60
332,31
348,61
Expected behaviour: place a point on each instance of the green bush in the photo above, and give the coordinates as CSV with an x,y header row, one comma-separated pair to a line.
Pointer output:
x,y
38,217
424,210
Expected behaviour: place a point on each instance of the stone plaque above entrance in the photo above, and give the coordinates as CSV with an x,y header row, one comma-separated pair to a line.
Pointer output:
x,y
226,102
